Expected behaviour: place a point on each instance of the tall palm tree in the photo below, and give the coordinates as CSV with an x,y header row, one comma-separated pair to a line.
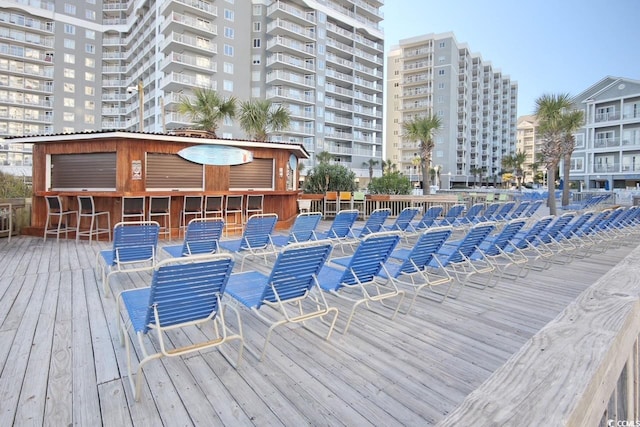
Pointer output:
x,y
324,157
514,163
422,129
207,109
370,164
259,117
388,166
475,171
550,111
572,121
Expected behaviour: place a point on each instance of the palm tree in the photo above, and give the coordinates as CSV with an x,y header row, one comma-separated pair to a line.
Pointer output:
x,y
388,166
572,121
550,111
370,164
258,118
208,109
422,130
323,157
514,163
475,171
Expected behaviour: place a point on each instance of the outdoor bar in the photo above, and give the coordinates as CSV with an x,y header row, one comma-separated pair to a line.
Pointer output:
x,y
112,166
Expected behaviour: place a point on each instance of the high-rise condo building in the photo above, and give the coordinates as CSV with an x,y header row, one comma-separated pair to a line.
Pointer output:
x,y
476,102
76,66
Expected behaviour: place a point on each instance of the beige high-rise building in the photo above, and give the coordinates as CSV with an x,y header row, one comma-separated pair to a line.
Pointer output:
x,y
76,66
476,102
528,144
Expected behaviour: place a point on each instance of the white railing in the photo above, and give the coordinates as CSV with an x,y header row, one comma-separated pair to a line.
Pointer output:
x,y
582,369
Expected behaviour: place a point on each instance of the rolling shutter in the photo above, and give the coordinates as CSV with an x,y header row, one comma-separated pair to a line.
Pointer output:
x,y
172,172
87,171
255,175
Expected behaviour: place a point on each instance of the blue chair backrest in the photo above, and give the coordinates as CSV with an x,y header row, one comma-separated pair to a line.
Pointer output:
x,y
555,228
519,210
530,235
572,227
366,262
533,208
430,216
375,221
202,236
404,219
491,210
504,210
422,253
295,270
135,241
474,211
304,227
508,232
187,289
342,223
453,212
468,245
257,232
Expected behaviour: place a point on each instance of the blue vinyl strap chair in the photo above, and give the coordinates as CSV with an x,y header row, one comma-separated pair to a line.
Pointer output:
x,y
360,275
256,238
451,215
503,213
455,256
414,270
290,292
532,209
471,216
340,231
518,211
302,230
427,220
134,249
544,245
202,237
403,220
373,224
489,212
184,292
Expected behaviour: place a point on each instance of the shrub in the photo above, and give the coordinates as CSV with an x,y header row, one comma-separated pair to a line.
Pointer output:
x,y
326,177
13,187
391,183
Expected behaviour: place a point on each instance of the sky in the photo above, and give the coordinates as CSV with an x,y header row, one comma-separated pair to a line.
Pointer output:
x,y
547,46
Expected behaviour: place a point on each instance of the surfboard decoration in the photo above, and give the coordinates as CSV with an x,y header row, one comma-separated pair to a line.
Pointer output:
x,y
293,162
218,155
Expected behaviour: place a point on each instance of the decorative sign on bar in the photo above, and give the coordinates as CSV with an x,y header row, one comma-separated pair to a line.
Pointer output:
x,y
136,170
219,155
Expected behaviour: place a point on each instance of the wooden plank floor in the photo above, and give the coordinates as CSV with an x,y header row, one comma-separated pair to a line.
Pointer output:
x,y
61,362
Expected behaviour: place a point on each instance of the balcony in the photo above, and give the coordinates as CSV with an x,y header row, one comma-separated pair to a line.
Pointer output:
x,y
607,117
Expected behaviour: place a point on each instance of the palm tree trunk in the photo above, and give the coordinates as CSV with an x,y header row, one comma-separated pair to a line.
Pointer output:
x,y
566,167
551,187
426,188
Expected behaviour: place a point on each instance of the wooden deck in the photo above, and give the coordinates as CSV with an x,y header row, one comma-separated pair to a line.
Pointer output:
x,y
61,362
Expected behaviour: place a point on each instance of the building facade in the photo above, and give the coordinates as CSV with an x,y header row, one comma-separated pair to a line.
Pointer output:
x,y
477,104
75,66
529,144
607,148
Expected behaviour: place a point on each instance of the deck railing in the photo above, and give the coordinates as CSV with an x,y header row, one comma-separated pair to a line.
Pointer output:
x,y
582,369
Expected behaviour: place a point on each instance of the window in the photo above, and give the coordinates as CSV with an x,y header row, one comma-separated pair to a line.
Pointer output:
x,y
95,171
69,9
69,44
255,92
69,87
68,116
227,121
256,175
89,119
579,140
441,72
172,172
69,58
441,59
90,34
69,29
256,27
69,73
256,76
440,99
89,90
69,102
577,164
228,67
227,85
257,10
90,15
89,48
90,62
228,50
228,15
256,60
256,43
440,85
90,77
442,44
228,32
89,105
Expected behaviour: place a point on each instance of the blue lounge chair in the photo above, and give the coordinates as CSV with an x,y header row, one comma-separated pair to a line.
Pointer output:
x,y
358,282
134,249
184,292
427,220
291,289
202,237
302,230
472,216
503,213
451,215
402,221
255,240
518,211
532,209
489,212
373,224
340,231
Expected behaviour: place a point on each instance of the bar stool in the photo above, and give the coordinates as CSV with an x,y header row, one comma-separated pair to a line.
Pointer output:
x,y
133,208
214,206
87,209
331,203
254,205
191,207
344,201
160,209
233,209
63,217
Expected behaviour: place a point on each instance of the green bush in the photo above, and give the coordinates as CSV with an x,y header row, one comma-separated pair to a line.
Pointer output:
x,y
326,177
391,183
13,187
